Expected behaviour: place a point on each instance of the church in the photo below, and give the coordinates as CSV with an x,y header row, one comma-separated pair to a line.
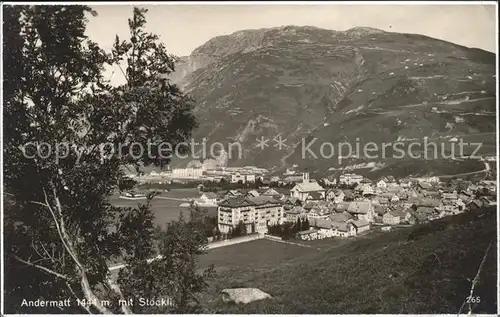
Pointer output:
x,y
303,190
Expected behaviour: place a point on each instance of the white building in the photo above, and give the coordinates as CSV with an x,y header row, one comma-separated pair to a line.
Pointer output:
x,y
188,172
257,212
395,217
209,198
360,225
381,184
350,179
243,177
302,190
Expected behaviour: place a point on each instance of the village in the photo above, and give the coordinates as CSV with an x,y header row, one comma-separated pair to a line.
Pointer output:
x,y
293,206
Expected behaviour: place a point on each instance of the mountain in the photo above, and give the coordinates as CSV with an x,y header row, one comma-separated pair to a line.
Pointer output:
x,y
360,85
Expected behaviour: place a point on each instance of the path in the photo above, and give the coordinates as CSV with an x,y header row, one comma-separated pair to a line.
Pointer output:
x,y
288,242
172,198
486,169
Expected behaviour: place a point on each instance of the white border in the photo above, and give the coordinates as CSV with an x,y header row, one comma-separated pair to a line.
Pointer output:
x,y
258,3
98,3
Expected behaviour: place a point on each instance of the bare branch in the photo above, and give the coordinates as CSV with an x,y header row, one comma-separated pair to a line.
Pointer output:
x,y
87,289
116,288
43,268
74,294
475,281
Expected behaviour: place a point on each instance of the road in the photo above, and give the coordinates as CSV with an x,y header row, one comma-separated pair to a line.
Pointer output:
x,y
487,169
171,198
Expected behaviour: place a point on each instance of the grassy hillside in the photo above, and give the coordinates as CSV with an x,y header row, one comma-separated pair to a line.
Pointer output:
x,y
422,269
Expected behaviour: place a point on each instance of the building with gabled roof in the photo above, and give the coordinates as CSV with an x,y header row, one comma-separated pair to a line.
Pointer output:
x,y
307,187
360,225
294,214
395,217
311,234
361,210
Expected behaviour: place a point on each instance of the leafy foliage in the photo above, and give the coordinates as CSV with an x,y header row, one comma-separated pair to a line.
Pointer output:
x,y
60,230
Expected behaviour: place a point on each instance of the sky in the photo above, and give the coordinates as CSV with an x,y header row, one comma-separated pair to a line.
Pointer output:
x,y
184,27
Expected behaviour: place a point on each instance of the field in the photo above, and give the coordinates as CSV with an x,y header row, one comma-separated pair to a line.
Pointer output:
x,y
164,210
423,269
248,257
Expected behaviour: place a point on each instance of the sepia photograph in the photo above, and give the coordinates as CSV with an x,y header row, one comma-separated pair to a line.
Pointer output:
x,y
249,158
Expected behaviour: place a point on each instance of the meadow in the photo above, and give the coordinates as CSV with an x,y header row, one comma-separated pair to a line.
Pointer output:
x,y
427,268
164,210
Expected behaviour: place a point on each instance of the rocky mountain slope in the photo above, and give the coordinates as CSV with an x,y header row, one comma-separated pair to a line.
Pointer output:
x,y
356,86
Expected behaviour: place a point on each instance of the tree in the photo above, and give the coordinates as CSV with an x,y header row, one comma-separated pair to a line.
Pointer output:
x,y
258,182
239,230
174,276
218,234
253,227
305,225
299,225
60,229
243,229
287,231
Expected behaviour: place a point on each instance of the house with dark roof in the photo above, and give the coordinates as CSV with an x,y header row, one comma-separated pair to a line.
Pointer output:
x,y
291,202
379,209
360,225
348,195
311,234
405,183
361,210
424,187
390,179
429,202
466,196
433,194
343,229
488,201
382,200
269,192
231,193
475,204
294,214
342,207
330,194
315,196
324,227
340,217
328,228
395,217
424,214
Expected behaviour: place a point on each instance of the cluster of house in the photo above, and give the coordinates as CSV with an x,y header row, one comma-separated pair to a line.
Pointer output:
x,y
348,212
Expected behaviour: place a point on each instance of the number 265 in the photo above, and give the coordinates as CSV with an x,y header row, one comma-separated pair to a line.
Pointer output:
x,y
473,299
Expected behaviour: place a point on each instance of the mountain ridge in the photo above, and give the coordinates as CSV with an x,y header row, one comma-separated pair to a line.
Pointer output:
x,y
300,81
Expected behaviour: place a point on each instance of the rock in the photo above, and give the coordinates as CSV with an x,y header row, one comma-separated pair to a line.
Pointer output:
x,y
243,295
